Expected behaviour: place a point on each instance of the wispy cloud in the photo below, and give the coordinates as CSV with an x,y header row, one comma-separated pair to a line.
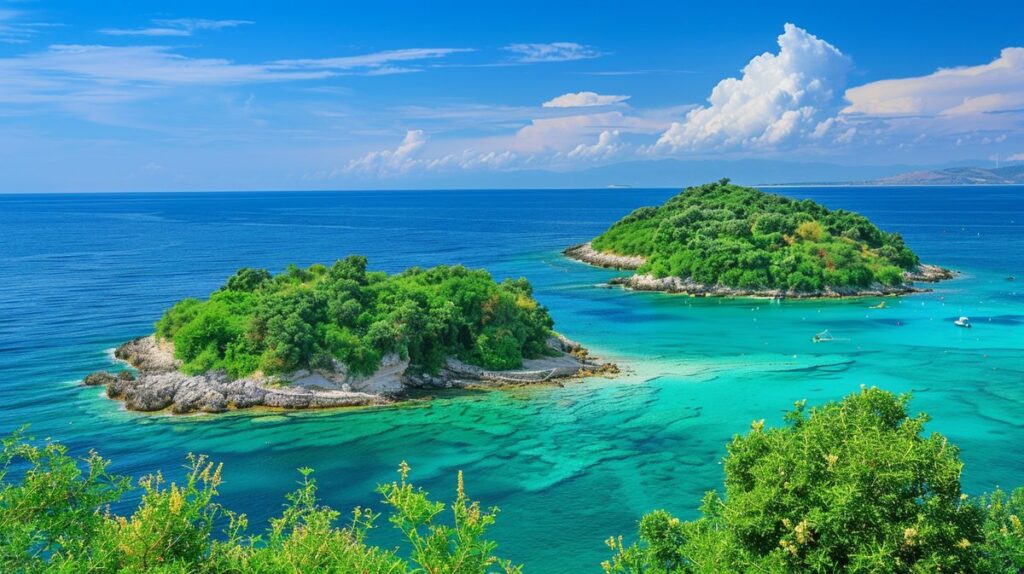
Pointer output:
x,y
175,27
583,100
16,28
641,72
375,60
552,52
96,74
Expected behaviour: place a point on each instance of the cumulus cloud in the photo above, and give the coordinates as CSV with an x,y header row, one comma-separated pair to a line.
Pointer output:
x,y
994,87
607,146
408,158
583,99
175,27
552,52
391,161
780,97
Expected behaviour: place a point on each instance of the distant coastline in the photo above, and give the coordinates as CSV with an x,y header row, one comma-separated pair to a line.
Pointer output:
x,y
951,176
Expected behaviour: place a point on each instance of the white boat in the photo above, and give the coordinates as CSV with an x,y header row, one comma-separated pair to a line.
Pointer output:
x,y
823,337
963,322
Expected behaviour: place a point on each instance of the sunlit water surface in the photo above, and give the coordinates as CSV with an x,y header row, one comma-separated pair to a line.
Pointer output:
x,y
568,466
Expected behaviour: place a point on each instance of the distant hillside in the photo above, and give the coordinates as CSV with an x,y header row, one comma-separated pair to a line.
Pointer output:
x,y
957,176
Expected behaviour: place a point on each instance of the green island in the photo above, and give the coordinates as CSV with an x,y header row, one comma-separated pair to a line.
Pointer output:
x,y
852,486
724,239
342,336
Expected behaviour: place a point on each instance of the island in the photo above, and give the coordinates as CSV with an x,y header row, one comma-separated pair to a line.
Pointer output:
x,y
721,239
340,336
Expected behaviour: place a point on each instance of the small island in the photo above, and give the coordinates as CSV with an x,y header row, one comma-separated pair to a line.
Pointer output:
x,y
721,239
342,336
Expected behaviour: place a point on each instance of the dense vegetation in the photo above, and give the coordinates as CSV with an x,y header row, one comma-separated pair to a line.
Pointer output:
x,y
317,316
57,519
735,236
852,486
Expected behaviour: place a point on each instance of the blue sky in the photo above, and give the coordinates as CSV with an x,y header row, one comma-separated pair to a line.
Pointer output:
x,y
337,95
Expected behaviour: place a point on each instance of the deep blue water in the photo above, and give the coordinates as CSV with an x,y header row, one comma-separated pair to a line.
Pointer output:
x,y
569,466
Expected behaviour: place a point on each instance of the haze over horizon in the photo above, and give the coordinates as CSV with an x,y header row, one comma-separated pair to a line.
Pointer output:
x,y
189,96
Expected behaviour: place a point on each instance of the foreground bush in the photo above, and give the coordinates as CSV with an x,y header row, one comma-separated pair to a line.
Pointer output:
x,y
852,486
55,518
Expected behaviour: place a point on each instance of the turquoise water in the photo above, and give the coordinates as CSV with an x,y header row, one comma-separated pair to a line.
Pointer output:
x,y
569,466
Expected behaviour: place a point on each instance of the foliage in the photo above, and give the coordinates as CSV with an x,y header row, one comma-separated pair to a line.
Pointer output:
x,y
1004,533
316,316
852,486
724,234
56,518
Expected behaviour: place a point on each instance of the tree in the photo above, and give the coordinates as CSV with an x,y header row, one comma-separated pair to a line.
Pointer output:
x,y
854,486
716,233
247,279
314,317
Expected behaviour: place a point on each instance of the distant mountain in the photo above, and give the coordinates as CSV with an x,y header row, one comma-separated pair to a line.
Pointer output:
x,y
1010,174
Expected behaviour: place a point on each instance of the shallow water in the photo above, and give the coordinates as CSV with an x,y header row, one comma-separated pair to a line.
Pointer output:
x,y
568,466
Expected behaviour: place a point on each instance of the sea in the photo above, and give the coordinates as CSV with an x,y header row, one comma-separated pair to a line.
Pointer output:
x,y
568,465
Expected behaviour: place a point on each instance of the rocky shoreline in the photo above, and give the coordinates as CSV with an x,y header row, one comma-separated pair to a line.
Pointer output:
x,y
587,254
160,385
678,285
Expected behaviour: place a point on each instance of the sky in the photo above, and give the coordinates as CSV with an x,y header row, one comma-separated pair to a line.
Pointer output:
x,y
188,95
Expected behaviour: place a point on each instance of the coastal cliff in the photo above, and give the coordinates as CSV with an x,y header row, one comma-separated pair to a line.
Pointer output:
x,y
160,385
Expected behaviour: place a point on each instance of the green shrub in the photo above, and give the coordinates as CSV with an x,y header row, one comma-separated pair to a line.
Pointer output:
x,y
852,486
736,236
312,317
55,517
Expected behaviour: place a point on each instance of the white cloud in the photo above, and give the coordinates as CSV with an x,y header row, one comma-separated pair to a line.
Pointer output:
x,y
408,158
780,97
993,87
391,161
97,73
963,106
607,146
372,60
1016,157
565,133
583,99
552,52
165,32
175,27
469,159
16,29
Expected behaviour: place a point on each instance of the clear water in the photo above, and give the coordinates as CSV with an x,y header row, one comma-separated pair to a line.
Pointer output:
x,y
569,466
